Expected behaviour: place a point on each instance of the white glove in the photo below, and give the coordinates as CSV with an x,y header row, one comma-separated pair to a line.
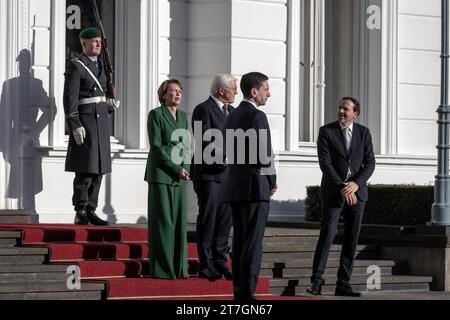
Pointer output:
x,y
113,103
79,134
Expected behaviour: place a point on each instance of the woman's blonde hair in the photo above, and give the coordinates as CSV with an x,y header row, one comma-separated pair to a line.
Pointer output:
x,y
164,86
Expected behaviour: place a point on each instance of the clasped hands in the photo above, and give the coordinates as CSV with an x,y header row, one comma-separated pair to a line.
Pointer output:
x,y
184,175
349,193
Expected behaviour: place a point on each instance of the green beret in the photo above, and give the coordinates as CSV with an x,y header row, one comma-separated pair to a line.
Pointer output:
x,y
90,33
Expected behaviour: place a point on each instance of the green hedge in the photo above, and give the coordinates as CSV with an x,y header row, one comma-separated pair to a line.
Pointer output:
x,y
406,205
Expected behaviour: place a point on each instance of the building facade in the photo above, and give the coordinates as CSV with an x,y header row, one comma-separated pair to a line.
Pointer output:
x,y
384,52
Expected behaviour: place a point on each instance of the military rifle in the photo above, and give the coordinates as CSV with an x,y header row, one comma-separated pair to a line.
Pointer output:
x,y
110,90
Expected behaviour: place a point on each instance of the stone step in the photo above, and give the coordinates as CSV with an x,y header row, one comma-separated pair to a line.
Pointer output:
x,y
279,235
33,268
31,277
290,240
333,263
72,295
22,251
356,280
5,242
303,272
10,234
329,289
55,286
16,216
271,247
280,257
10,238
286,232
23,259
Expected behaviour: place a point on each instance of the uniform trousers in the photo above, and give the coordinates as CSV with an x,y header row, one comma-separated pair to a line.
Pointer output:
x,y
86,187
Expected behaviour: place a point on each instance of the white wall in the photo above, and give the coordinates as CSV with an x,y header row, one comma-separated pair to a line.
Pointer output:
x,y
122,197
419,31
258,43
209,46
194,40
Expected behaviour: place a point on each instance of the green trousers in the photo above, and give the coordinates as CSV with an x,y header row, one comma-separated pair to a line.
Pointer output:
x,y
167,231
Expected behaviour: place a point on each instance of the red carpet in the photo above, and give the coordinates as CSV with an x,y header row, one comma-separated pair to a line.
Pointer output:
x,y
164,289
119,256
123,268
34,233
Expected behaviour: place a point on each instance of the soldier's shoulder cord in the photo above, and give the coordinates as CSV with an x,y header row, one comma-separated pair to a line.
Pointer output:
x,y
91,74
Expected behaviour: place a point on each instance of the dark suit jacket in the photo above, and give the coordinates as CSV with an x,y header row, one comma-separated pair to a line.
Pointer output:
x,y
334,160
161,168
94,155
245,183
211,117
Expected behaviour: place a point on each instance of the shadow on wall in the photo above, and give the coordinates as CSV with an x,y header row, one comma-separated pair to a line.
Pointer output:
x,y
25,111
142,220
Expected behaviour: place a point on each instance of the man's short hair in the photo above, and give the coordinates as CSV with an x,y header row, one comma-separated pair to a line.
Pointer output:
x,y
164,86
221,80
357,106
252,80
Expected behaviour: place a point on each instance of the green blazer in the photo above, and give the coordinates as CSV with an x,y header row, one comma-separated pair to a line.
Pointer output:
x,y
169,146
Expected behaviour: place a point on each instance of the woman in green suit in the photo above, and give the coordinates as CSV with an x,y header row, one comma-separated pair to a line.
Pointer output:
x,y
166,174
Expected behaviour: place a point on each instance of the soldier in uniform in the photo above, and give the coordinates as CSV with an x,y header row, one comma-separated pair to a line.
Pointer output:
x,y
87,111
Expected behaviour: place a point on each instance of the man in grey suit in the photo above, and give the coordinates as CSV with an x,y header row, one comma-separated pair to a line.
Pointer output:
x,y
347,161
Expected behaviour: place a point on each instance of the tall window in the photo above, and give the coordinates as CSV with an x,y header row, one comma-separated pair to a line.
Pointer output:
x,y
336,19
80,15
307,67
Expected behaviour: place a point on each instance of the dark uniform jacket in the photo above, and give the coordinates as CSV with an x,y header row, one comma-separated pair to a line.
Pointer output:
x,y
246,180
335,160
211,117
94,155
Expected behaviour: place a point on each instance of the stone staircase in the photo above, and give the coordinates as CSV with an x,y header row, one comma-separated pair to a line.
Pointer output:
x,y
26,275
288,256
26,272
16,216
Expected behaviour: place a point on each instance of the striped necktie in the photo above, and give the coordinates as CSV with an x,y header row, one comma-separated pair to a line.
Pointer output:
x,y
225,110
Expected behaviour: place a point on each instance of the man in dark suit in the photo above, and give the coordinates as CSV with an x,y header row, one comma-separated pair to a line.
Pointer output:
x,y
251,182
347,161
87,111
207,173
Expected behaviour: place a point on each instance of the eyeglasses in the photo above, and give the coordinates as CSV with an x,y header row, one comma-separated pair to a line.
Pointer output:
x,y
231,89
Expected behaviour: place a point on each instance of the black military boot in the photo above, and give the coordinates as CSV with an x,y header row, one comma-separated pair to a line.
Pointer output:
x,y
94,219
81,216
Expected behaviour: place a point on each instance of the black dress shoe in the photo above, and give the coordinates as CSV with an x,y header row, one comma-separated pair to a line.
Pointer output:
x,y
81,217
316,287
346,291
223,269
95,220
209,272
